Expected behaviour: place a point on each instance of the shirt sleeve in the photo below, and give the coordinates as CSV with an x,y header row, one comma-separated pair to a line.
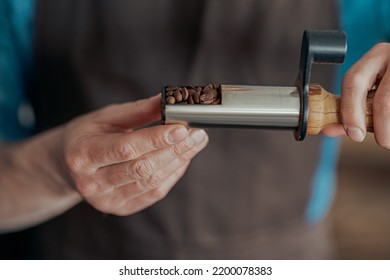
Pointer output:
x,y
16,66
366,24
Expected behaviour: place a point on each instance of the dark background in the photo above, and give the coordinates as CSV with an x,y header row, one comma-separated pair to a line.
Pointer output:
x,y
361,211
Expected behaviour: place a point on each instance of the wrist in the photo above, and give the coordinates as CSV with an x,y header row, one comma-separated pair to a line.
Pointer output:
x,y
34,183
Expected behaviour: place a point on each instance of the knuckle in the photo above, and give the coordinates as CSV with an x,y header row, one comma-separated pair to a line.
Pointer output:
x,y
124,151
142,169
352,80
379,51
74,159
382,46
158,141
87,188
176,150
155,180
180,148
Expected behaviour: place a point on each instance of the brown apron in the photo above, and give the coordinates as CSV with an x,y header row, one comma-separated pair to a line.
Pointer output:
x,y
246,194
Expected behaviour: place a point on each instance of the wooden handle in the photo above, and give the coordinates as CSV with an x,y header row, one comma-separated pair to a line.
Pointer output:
x,y
324,109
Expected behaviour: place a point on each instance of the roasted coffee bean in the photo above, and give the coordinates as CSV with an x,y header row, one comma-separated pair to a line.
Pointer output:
x,y
185,94
178,96
193,95
206,101
209,96
191,92
196,97
171,88
170,100
209,86
216,101
211,93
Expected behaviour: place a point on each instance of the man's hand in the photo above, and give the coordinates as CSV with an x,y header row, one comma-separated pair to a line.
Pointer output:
x,y
119,170
101,157
373,69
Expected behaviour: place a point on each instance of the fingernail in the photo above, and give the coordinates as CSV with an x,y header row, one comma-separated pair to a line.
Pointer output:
x,y
197,136
356,134
177,134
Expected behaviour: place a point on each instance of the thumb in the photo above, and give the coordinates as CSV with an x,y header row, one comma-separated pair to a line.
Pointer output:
x,y
132,114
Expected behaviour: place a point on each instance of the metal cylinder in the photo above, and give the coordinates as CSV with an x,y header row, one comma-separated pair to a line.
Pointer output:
x,y
241,106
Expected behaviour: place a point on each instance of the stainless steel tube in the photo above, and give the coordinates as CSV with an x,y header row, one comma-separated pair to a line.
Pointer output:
x,y
241,106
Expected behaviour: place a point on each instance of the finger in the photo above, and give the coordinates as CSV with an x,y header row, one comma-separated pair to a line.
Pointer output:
x,y
139,203
154,181
121,195
103,150
132,114
150,168
334,130
356,83
381,112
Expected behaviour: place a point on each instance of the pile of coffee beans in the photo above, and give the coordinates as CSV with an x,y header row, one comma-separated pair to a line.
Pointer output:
x,y
209,94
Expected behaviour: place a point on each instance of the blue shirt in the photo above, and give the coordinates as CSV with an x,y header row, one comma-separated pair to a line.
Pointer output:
x,y
16,117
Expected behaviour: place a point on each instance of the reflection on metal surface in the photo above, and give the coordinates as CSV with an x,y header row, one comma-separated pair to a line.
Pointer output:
x,y
246,106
